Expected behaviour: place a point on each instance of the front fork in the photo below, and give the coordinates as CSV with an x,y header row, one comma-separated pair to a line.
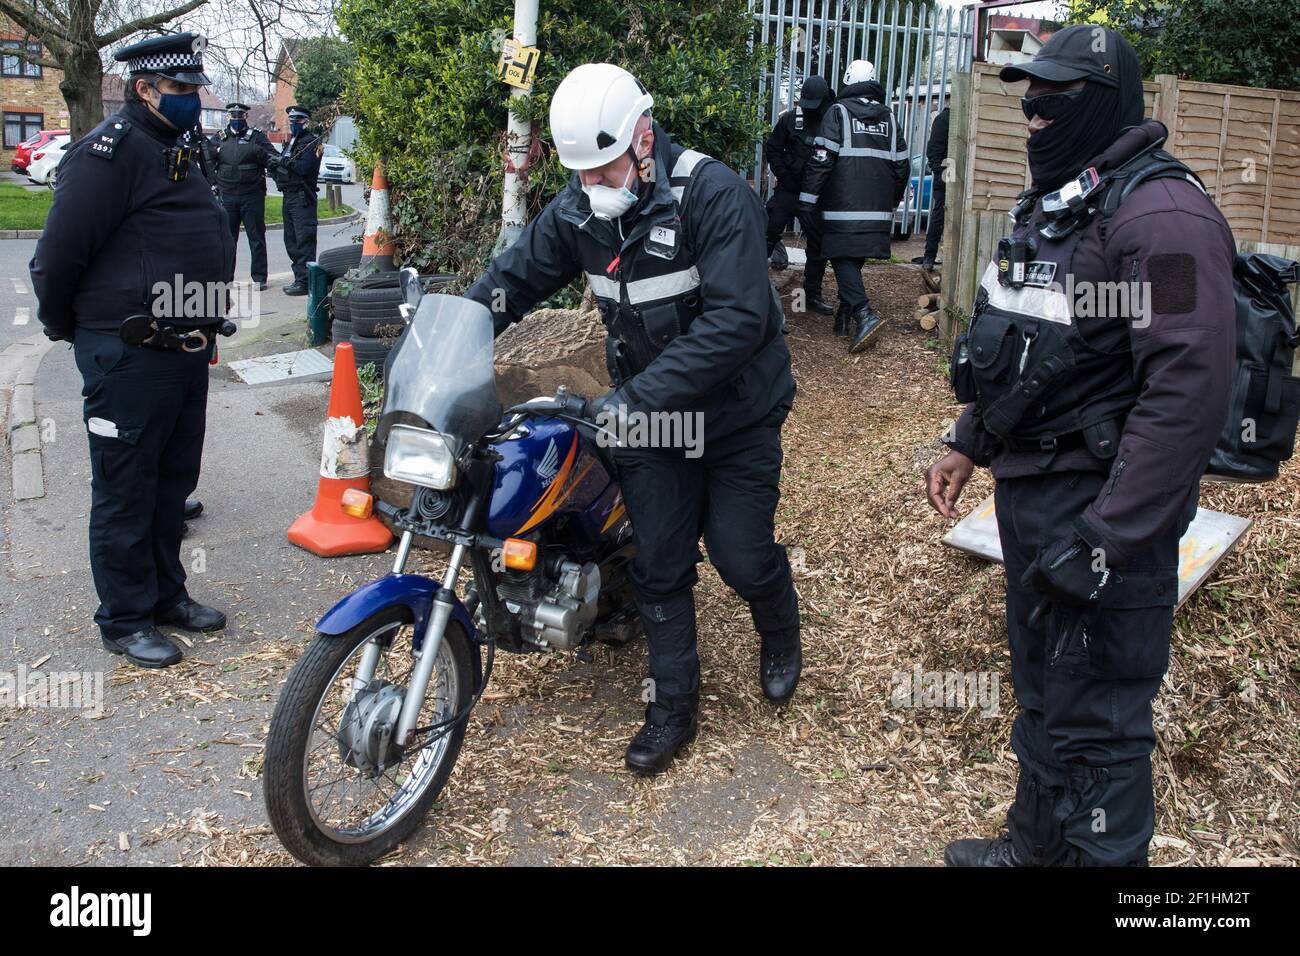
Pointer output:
x,y
443,605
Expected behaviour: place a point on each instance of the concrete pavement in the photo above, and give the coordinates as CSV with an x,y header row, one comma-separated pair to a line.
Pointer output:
x,y
162,760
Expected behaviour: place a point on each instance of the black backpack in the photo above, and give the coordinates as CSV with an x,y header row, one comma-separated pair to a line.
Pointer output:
x,y
1264,408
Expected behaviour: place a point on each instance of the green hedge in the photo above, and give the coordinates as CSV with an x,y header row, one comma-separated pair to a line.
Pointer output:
x,y
426,99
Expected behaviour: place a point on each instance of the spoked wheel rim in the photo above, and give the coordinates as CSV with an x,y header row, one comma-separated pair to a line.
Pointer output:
x,y
344,803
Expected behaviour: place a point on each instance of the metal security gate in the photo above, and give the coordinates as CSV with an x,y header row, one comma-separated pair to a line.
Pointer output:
x,y
915,47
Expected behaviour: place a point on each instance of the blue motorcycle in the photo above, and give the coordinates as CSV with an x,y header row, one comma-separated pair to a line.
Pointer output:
x,y
371,718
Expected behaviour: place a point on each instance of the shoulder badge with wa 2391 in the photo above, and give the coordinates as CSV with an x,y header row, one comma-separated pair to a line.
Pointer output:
x,y
106,140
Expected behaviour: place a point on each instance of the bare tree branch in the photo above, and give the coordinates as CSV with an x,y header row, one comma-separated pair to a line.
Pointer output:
x,y
146,23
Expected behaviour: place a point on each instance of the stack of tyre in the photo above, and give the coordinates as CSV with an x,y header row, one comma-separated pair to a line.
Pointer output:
x,y
365,308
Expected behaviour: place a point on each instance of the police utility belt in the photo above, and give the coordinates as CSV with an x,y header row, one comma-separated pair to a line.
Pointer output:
x,y
144,331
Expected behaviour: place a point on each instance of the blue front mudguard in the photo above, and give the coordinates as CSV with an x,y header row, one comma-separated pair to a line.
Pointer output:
x,y
412,590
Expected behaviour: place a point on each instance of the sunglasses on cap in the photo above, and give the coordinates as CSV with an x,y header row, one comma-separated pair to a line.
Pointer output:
x,y
1050,106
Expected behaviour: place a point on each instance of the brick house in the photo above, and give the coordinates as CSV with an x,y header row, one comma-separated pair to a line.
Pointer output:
x,y
284,90
29,93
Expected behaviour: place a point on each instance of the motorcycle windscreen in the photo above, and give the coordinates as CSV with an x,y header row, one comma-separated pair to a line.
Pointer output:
x,y
441,371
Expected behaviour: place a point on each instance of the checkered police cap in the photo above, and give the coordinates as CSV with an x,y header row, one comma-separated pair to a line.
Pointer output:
x,y
176,56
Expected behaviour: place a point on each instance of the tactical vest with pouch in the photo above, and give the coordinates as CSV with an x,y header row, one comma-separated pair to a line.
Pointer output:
x,y
240,166
649,293
1041,375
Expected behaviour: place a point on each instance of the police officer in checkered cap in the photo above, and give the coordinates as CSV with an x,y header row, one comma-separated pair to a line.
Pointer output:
x,y
134,225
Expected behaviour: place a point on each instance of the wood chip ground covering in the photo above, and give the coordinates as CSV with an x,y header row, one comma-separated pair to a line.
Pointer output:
x,y
840,775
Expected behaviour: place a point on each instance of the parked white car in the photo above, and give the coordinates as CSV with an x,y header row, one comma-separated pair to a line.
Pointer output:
x,y
43,168
335,167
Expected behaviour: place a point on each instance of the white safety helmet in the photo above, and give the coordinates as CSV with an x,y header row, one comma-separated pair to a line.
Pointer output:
x,y
860,71
594,113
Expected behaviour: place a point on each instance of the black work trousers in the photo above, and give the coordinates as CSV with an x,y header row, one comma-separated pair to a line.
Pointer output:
x,y
249,209
782,208
1085,681
145,413
729,495
300,231
848,276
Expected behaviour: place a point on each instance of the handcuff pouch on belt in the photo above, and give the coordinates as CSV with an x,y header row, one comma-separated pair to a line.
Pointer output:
x,y
143,331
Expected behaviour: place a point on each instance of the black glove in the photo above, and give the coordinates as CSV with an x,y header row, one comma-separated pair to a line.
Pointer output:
x,y
611,403
58,335
1071,570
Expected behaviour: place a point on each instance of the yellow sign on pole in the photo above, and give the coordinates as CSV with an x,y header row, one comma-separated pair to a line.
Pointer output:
x,y
518,64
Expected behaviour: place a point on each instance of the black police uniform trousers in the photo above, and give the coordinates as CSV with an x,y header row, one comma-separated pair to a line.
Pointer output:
x,y
729,495
934,228
1085,683
300,230
782,209
140,479
249,209
848,276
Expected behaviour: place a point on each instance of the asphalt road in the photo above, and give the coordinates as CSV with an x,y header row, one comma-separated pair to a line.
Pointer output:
x,y
59,379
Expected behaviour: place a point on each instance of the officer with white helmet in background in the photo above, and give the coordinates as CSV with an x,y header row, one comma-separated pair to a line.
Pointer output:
x,y
672,243
856,176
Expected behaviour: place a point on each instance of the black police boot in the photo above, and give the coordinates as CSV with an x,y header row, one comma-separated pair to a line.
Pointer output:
x,y
146,648
655,745
997,852
193,508
816,303
842,320
866,326
190,615
780,663
296,288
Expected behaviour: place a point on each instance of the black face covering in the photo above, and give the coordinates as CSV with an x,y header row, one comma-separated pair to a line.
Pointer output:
x,y
1098,114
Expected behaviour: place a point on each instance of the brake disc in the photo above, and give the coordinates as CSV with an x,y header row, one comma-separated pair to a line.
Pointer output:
x,y
366,728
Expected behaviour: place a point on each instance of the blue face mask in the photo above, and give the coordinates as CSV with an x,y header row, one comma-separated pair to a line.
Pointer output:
x,y
238,125
182,110
297,128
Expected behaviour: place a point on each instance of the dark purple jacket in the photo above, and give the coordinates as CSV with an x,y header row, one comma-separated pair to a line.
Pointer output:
x,y
1172,236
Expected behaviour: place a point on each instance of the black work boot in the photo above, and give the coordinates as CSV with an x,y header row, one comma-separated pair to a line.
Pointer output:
x,y
842,320
816,303
295,288
866,326
780,663
974,852
145,648
193,508
190,615
655,745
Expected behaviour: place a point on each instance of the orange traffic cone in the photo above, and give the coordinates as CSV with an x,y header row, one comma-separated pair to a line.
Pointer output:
x,y
378,246
345,464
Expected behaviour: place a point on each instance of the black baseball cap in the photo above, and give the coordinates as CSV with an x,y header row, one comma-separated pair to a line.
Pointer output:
x,y
1083,51
814,92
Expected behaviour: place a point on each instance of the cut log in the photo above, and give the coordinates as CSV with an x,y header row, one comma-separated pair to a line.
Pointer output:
x,y
928,301
928,321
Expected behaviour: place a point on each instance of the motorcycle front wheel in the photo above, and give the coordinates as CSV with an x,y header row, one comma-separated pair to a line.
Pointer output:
x,y
337,792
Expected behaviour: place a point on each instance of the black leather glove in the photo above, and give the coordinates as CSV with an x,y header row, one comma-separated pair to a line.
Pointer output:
x,y
1071,570
58,335
608,404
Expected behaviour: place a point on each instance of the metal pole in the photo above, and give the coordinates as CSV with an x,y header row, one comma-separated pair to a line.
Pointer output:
x,y
519,141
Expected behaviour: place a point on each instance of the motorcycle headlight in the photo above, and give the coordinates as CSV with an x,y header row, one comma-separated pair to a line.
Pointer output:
x,y
419,456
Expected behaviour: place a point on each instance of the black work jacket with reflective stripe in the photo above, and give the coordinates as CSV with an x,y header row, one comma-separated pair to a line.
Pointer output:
x,y
789,145
857,173
683,290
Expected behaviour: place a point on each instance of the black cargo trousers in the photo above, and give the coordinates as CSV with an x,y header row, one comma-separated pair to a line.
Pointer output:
x,y
729,495
1085,683
783,209
145,413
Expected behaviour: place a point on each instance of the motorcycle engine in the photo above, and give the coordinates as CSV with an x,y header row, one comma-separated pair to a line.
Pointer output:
x,y
553,612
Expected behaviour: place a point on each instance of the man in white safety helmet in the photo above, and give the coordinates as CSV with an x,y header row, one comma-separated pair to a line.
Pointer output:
x,y
672,245
854,179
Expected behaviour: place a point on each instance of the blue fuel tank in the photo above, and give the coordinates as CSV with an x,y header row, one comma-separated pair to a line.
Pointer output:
x,y
550,471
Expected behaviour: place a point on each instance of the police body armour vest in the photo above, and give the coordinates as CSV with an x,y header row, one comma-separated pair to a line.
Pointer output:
x,y
1050,356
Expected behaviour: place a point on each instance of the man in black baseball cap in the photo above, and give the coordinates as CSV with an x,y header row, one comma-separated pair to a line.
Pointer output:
x,y
787,150
1086,83
1097,420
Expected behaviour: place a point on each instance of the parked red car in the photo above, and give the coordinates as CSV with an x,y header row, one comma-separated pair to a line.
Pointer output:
x,y
23,154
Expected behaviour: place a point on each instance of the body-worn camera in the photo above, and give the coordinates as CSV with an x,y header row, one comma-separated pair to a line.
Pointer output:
x,y
1013,254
